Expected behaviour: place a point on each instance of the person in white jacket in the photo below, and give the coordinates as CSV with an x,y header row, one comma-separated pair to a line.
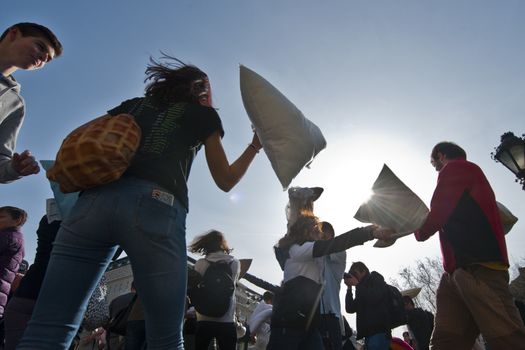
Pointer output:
x,y
259,321
214,247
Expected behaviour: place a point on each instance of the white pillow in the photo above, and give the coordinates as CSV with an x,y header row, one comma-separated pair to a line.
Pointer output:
x,y
507,218
393,205
289,139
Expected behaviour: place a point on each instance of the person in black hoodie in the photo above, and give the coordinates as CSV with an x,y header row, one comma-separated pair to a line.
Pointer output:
x,y
370,304
296,313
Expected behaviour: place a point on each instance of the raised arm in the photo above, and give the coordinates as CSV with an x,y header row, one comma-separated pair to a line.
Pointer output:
x,y
350,302
349,239
227,175
344,241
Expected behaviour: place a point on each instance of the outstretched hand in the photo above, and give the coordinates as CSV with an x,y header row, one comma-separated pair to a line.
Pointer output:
x,y
25,164
383,233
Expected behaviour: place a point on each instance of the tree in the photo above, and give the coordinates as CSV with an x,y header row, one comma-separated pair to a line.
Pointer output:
x,y
515,265
425,274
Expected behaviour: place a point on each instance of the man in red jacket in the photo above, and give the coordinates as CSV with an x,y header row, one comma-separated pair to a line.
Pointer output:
x,y
473,294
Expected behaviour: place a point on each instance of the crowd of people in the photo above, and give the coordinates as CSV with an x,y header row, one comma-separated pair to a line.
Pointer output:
x,y
144,213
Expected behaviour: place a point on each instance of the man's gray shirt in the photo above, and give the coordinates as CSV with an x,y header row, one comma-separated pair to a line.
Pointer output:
x,y
11,117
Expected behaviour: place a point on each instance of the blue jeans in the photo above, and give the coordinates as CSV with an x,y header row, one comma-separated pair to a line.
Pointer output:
x,y
153,235
378,341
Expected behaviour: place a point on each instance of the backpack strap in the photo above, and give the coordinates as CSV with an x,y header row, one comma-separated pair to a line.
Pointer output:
x,y
230,271
219,262
136,106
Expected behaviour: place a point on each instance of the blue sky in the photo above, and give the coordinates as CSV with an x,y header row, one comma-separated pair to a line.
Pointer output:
x,y
384,80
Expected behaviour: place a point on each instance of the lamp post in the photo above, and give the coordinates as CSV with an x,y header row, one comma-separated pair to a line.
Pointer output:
x,y
511,153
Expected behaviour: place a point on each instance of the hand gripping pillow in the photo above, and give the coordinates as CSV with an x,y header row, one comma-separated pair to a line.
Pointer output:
x,y
289,139
394,205
96,153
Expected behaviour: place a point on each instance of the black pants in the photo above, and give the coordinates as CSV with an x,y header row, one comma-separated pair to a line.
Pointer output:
x,y
2,334
223,332
330,330
135,335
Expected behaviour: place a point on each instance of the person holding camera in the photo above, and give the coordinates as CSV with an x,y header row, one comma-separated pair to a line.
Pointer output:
x,y
370,304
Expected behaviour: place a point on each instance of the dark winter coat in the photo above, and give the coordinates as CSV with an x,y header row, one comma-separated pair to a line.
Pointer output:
x,y
11,254
370,304
421,323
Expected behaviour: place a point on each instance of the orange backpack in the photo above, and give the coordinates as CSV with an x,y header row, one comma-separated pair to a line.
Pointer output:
x,y
96,153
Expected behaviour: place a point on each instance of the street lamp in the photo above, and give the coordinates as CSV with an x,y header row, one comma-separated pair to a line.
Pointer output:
x,y
511,153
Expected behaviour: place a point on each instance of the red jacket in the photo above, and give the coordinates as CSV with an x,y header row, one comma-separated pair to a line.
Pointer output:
x,y
464,210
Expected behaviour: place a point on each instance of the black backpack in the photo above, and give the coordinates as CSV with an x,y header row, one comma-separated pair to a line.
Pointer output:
x,y
213,294
117,323
396,307
296,304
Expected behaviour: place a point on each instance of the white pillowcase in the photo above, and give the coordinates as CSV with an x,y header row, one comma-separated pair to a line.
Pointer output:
x,y
393,205
507,218
289,139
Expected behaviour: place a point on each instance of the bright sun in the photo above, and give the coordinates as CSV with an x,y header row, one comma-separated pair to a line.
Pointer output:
x,y
347,170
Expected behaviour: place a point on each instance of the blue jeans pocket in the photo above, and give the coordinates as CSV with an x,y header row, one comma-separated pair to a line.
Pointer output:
x,y
155,218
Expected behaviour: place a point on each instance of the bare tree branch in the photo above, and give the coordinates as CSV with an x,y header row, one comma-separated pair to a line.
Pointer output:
x,y
424,274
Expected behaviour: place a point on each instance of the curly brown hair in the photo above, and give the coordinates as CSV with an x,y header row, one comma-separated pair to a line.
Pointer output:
x,y
305,228
210,242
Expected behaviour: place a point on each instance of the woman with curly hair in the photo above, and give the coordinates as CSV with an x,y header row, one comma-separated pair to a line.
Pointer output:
x,y
144,212
300,253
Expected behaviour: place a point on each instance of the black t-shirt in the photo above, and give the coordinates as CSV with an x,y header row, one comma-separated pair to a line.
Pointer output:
x,y
172,134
